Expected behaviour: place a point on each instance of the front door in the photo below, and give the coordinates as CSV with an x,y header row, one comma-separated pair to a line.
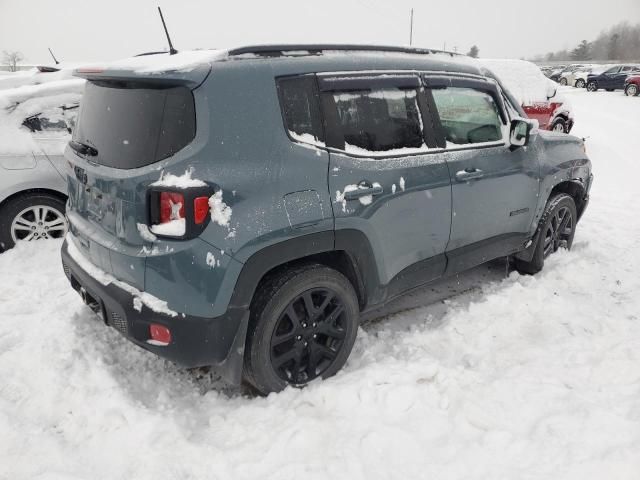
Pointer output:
x,y
494,189
385,180
609,78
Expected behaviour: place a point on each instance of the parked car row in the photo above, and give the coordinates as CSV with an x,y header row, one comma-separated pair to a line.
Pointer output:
x,y
596,77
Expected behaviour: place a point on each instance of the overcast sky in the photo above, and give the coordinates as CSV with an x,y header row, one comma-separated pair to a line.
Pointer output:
x,y
88,30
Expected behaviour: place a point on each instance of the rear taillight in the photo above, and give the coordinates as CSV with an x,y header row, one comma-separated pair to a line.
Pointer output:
x,y
171,206
179,213
200,209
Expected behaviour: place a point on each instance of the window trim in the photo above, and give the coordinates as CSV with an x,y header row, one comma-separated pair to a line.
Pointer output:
x,y
439,81
320,142
367,81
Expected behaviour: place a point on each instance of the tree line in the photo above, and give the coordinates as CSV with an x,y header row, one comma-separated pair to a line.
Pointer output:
x,y
620,42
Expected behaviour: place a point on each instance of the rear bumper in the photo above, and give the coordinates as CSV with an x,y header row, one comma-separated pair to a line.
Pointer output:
x,y
195,341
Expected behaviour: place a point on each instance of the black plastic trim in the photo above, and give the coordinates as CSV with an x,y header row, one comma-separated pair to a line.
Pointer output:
x,y
278,50
196,341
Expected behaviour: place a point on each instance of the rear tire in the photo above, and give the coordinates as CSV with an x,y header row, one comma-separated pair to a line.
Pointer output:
x,y
33,216
592,87
631,90
556,229
563,81
580,83
303,326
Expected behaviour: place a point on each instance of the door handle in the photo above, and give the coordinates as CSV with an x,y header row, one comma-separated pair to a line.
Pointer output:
x,y
364,189
469,174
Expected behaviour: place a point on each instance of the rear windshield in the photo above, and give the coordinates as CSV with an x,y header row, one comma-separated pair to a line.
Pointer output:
x,y
132,127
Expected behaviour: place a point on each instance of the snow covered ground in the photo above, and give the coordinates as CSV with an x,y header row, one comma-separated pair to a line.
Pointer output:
x,y
478,377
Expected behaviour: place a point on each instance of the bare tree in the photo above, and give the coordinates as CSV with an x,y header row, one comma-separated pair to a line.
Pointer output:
x,y
12,59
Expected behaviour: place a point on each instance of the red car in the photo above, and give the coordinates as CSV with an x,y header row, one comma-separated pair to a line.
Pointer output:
x,y
537,95
550,115
632,85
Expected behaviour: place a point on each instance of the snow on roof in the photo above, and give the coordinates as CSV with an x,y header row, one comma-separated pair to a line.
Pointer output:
x,y
35,77
11,96
16,104
183,61
523,79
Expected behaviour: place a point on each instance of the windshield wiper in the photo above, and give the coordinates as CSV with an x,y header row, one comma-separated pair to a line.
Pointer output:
x,y
83,148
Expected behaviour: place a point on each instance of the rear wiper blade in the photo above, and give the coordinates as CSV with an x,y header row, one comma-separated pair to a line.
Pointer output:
x,y
83,148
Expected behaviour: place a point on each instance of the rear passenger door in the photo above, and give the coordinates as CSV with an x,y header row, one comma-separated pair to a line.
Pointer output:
x,y
494,189
387,184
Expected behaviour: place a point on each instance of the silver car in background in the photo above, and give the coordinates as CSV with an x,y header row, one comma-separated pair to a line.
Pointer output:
x,y
35,125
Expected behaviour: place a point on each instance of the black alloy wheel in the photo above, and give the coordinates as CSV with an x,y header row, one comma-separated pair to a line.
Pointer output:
x,y
308,336
559,231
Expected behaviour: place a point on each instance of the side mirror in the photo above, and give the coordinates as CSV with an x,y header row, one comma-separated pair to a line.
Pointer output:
x,y
551,92
520,133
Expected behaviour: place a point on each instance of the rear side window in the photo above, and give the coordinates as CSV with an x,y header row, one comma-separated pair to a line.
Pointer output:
x,y
300,106
134,126
379,120
468,116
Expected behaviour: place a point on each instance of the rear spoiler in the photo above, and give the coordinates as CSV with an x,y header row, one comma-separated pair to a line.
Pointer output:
x,y
189,68
191,79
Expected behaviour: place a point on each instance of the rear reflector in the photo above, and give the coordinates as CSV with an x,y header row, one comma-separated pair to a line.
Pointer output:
x,y
171,206
160,335
200,209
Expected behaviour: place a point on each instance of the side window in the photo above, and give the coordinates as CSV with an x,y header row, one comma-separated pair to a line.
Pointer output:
x,y
379,120
300,106
612,70
468,116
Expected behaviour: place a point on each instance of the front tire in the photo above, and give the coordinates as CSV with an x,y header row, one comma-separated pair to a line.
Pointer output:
x,y
28,217
556,229
559,125
580,83
303,326
631,90
592,87
563,82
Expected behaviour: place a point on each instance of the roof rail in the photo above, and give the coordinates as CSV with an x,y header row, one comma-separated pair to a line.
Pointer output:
x,y
317,49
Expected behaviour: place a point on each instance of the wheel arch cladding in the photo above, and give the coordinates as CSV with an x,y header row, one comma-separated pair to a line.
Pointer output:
x,y
33,191
352,262
576,190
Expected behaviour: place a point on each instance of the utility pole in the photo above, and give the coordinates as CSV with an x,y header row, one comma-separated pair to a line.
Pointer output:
x,y
411,29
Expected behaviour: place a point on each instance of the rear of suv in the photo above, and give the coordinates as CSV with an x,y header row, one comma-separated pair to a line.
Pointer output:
x,y
241,209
